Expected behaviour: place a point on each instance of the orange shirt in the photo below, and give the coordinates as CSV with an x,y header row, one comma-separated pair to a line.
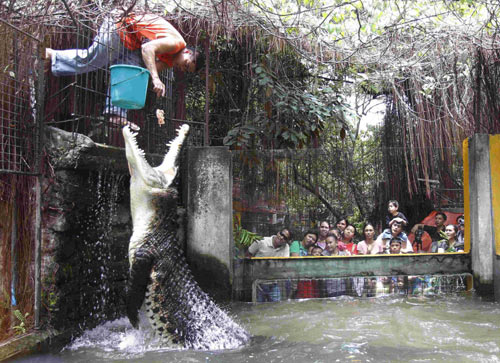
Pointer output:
x,y
137,28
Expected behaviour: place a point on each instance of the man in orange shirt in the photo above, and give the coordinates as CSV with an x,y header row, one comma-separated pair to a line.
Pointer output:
x,y
138,39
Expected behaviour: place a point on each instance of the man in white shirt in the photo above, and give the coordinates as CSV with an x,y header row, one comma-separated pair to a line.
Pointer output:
x,y
274,246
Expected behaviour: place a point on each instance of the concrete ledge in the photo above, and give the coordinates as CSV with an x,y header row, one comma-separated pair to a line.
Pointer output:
x,y
343,266
72,150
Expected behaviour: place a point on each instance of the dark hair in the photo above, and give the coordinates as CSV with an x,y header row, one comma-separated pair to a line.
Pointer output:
x,y
395,202
311,232
353,226
342,218
460,219
441,213
324,222
289,233
198,58
396,240
331,234
366,225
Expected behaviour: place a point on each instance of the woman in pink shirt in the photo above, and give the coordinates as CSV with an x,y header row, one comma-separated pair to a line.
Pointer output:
x,y
369,246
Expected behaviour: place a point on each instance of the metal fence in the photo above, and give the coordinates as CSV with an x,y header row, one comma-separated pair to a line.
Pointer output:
x,y
360,287
80,103
21,95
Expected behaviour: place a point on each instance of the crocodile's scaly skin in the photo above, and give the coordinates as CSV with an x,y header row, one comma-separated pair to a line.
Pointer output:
x,y
179,311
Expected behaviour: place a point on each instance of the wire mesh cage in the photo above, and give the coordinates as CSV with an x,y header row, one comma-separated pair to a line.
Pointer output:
x,y
360,286
20,94
82,102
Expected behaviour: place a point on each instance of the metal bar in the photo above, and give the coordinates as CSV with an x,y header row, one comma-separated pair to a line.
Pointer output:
x,y
38,249
39,110
13,252
207,95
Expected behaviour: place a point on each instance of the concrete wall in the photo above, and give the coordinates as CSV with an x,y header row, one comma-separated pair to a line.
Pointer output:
x,y
482,210
85,232
207,183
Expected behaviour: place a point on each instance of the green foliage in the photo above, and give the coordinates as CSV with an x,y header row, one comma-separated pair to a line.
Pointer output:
x,y
21,327
289,111
242,237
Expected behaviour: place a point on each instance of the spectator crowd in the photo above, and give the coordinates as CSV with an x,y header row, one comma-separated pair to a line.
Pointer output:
x,y
342,239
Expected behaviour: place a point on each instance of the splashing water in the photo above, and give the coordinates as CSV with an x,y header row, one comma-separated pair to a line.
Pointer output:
x,y
460,328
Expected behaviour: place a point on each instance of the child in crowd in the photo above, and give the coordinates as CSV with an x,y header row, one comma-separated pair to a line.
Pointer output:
x,y
338,235
369,245
395,231
395,246
316,251
332,247
393,212
350,244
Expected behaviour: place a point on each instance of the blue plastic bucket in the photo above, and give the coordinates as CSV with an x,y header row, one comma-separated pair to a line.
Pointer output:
x,y
129,85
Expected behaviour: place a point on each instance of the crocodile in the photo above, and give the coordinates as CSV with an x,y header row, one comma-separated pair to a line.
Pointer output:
x,y
179,311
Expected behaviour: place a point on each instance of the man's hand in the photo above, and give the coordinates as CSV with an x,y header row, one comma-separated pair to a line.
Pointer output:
x,y
158,87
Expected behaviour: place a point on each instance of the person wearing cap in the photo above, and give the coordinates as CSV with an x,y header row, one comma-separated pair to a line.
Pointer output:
x,y
395,232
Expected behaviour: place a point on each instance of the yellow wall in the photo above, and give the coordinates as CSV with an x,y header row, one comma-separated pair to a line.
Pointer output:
x,y
495,187
465,150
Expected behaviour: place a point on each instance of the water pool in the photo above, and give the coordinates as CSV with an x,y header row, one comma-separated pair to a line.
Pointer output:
x,y
461,328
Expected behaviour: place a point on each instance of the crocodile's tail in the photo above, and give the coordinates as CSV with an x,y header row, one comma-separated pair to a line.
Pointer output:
x,y
181,312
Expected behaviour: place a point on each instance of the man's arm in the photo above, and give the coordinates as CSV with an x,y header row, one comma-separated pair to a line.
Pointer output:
x,y
252,250
168,45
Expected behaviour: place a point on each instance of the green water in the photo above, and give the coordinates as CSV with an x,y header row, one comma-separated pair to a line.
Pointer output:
x,y
437,329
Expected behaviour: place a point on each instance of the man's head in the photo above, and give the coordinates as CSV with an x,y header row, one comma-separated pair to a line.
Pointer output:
x,y
316,251
396,226
395,246
309,239
188,60
440,218
324,227
282,238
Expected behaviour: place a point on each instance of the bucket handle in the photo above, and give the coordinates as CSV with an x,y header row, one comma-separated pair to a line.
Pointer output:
x,y
128,79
